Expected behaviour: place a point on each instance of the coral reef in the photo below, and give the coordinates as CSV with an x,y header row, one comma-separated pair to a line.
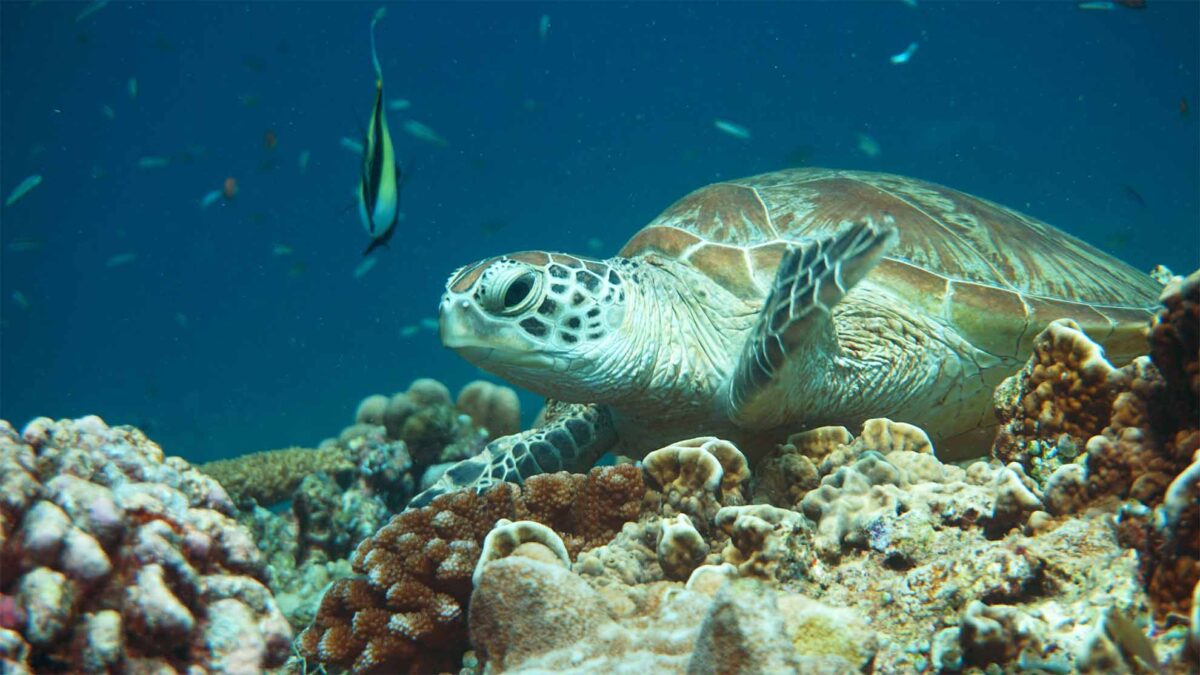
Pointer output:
x,y
435,429
271,476
407,610
1123,434
492,407
118,559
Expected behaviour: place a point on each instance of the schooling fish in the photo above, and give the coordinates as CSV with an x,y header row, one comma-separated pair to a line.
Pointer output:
x,y
735,130
23,189
379,188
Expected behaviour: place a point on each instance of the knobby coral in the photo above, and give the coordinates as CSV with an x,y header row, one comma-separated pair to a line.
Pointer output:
x,y
407,611
116,558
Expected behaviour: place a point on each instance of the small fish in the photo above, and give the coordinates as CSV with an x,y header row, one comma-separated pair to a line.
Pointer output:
x,y
270,140
429,324
255,63
120,259
229,188
735,130
19,298
108,112
409,331
423,132
1130,638
23,246
210,198
133,87
543,27
1133,195
905,55
352,145
91,9
152,162
868,146
303,161
365,266
1184,108
381,179
1132,4
281,250
23,189
399,104
1103,5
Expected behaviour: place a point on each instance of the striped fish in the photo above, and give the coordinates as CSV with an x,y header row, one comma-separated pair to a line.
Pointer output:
x,y
379,189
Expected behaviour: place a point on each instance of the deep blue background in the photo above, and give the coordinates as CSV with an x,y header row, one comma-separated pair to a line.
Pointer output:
x,y
588,134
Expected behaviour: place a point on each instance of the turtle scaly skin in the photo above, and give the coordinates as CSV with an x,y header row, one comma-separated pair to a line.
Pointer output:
x,y
755,308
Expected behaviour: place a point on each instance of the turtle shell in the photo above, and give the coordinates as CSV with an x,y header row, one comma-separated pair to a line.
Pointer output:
x,y
993,274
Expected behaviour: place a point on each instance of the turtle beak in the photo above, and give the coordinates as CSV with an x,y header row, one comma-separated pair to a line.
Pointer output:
x,y
459,324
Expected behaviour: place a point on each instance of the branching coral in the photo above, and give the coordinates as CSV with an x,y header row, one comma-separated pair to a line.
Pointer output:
x,y
118,559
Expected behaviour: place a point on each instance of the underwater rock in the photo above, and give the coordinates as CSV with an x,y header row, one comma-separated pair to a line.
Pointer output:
x,y
119,559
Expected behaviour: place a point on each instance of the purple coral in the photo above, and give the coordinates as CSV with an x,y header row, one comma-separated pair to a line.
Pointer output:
x,y
118,559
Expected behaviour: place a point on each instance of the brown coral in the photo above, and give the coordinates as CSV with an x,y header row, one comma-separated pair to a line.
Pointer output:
x,y
271,476
491,407
1064,392
407,613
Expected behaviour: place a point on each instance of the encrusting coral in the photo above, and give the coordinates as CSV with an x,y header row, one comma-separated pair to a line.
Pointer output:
x,y
117,559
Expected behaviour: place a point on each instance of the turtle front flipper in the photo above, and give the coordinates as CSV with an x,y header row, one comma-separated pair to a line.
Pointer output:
x,y
572,438
796,319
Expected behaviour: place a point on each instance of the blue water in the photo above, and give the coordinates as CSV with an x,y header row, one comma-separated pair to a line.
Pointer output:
x,y
218,347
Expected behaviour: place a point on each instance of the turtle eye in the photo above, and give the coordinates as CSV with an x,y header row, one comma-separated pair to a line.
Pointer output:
x,y
515,294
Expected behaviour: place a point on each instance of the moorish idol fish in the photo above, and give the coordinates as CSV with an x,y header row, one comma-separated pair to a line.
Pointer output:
x,y
379,190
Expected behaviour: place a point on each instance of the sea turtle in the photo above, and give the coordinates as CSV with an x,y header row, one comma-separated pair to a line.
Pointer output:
x,y
755,308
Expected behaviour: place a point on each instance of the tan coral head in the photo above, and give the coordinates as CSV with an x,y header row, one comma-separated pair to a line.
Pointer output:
x,y
527,315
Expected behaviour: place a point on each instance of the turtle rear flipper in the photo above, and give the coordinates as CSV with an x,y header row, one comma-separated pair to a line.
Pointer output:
x,y
796,319
571,440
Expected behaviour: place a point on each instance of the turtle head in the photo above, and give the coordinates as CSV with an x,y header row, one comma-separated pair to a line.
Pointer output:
x,y
544,321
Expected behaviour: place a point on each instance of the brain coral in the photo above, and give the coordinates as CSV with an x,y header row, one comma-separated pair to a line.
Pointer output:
x,y
117,559
407,612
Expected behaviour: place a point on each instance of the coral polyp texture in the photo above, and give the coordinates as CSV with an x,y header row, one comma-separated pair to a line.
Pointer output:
x,y
118,559
407,610
270,476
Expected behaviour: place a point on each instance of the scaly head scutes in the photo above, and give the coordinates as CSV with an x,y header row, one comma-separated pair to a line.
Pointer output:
x,y
525,316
